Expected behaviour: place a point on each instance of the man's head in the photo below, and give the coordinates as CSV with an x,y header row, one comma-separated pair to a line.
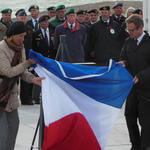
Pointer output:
x,y
6,14
16,31
51,11
22,16
60,11
18,11
93,15
135,26
34,11
118,9
81,16
71,16
105,12
43,21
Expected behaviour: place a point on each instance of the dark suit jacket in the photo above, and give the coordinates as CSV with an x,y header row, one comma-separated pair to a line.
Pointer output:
x,y
40,45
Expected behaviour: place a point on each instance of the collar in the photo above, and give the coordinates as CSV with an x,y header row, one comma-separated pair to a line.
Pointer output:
x,y
73,25
77,26
139,39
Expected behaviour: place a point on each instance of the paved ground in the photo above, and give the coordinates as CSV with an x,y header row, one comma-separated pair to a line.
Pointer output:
x,y
29,117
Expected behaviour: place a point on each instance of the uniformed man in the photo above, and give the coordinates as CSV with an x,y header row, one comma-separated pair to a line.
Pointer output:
x,y
73,35
80,16
93,16
26,88
18,11
104,38
59,18
117,15
51,12
5,22
43,44
33,22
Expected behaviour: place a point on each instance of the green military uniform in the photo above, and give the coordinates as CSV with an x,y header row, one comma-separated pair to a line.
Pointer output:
x,y
3,30
55,21
4,25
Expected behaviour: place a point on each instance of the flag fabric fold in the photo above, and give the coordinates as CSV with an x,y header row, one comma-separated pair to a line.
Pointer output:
x,y
80,103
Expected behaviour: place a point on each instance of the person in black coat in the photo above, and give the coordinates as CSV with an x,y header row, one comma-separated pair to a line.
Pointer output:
x,y
25,88
117,15
42,43
135,56
104,39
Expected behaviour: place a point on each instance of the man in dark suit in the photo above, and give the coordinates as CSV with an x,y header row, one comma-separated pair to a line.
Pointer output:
x,y
33,22
43,44
135,56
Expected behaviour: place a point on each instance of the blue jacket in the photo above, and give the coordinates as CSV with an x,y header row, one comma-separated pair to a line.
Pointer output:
x,y
71,47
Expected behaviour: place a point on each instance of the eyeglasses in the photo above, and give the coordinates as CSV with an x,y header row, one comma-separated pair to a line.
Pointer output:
x,y
132,30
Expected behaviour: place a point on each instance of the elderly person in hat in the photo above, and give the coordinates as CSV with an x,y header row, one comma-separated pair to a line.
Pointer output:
x,y
5,22
13,66
93,13
51,12
59,18
104,38
117,15
42,43
33,22
18,11
74,36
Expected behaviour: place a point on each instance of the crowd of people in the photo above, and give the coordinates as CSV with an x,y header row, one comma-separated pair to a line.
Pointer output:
x,y
75,37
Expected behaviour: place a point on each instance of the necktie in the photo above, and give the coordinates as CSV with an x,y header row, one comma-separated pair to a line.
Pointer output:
x,y
135,42
46,38
71,27
36,25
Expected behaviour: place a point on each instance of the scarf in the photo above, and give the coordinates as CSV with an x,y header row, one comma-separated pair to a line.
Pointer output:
x,y
7,83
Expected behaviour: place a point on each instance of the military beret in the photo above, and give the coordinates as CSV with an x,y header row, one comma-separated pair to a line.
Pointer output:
x,y
93,11
50,8
18,11
105,8
22,13
59,7
43,18
15,28
116,5
70,11
80,12
33,7
6,10
137,11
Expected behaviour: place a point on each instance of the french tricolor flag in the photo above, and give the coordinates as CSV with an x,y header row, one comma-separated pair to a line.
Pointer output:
x,y
80,103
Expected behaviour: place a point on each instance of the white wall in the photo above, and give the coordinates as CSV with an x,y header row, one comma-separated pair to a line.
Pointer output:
x,y
146,12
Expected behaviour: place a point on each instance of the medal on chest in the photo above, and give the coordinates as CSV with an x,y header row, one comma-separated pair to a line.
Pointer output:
x,y
112,31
